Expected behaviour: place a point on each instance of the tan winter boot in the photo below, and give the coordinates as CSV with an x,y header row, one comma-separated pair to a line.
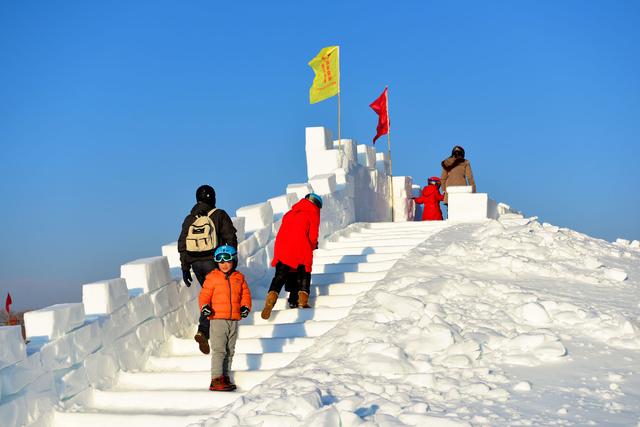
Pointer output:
x,y
203,342
303,300
272,297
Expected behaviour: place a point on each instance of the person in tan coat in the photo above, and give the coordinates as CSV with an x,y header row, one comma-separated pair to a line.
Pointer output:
x,y
456,171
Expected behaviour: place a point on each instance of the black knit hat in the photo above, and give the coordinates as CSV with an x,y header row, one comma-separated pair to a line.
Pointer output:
x,y
206,194
457,152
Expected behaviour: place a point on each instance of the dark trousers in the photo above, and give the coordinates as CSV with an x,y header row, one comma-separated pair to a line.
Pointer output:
x,y
201,269
293,281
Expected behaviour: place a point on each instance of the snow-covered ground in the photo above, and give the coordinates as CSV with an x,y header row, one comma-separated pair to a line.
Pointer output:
x,y
507,322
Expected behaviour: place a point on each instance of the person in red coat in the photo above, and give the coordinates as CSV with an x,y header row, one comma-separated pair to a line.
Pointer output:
x,y
293,253
431,198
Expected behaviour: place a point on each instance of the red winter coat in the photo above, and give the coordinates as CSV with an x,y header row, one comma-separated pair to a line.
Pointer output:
x,y
431,198
298,236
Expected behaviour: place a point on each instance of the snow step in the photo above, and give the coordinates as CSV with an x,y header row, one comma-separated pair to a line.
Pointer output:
x,y
188,347
196,381
333,301
348,277
110,419
366,250
341,288
174,402
289,316
291,330
368,267
358,236
328,258
373,243
409,225
241,362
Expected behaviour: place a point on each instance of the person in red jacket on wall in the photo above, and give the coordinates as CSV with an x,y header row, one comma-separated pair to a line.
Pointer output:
x,y
431,198
296,240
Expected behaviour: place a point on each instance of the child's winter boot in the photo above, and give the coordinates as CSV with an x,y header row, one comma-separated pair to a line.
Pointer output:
x,y
230,384
272,297
303,300
219,384
203,342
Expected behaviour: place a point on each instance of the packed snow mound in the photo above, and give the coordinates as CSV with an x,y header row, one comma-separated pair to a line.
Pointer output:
x,y
459,332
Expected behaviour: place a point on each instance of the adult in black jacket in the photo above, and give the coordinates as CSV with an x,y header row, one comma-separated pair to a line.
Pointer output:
x,y
202,263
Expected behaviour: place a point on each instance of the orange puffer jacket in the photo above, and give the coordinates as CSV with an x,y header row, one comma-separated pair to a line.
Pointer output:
x,y
225,294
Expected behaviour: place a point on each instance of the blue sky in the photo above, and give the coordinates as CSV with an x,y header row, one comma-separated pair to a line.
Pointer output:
x,y
112,113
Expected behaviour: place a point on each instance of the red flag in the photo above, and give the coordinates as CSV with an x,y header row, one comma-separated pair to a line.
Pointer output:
x,y
8,302
380,107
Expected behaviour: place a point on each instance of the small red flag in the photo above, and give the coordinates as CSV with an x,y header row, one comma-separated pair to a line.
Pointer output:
x,y
380,107
8,302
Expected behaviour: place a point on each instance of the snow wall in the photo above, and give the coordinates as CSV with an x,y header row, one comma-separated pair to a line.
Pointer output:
x,y
120,322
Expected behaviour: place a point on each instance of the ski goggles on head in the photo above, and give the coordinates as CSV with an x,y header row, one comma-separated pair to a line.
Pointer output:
x,y
223,257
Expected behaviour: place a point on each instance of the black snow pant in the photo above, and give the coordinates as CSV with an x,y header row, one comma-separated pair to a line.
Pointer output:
x,y
293,280
201,269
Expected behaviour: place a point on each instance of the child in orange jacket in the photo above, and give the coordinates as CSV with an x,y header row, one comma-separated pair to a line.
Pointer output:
x,y
224,299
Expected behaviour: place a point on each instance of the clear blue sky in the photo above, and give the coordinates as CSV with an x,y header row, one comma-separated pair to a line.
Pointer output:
x,y
112,113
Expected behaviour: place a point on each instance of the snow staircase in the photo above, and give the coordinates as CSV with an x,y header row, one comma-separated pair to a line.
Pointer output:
x,y
172,389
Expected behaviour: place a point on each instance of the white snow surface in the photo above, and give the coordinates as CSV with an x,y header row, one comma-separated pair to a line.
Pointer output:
x,y
507,322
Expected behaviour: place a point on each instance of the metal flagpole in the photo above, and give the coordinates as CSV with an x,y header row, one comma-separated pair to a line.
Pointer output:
x,y
339,89
389,151
339,138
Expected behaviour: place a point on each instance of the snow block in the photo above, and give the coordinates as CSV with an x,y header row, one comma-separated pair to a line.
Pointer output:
x,y
248,247
282,204
39,406
170,250
322,162
164,299
16,377
256,216
53,321
465,206
403,210
300,190
402,186
324,184
104,297
129,352
366,156
141,309
238,223
146,274
57,354
14,413
84,341
317,139
151,331
263,235
382,163
457,189
13,349
72,383
348,153
101,369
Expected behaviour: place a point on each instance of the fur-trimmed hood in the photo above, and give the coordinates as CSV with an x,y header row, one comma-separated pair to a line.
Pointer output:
x,y
451,162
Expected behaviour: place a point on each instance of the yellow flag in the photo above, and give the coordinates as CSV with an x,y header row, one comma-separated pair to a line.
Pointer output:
x,y
326,83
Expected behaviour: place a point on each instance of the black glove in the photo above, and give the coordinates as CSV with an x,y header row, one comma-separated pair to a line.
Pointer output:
x,y
186,276
244,311
206,310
